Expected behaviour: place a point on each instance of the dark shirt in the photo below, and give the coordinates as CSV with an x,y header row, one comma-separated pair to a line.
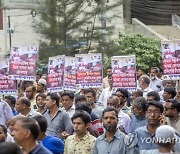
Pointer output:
x,y
40,149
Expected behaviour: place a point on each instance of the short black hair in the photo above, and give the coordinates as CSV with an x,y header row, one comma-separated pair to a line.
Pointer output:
x,y
175,104
85,116
10,148
54,96
90,90
67,93
139,93
85,107
142,69
42,122
157,104
123,91
4,129
80,98
170,91
41,95
109,109
154,94
25,101
11,98
155,68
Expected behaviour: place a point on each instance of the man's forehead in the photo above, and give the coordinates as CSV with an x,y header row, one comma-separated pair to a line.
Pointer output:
x,y
110,113
153,107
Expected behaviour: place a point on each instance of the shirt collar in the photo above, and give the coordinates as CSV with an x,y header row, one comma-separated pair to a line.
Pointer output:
x,y
146,89
84,138
117,135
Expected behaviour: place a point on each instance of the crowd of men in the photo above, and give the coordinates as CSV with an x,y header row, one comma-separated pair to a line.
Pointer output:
x,y
111,121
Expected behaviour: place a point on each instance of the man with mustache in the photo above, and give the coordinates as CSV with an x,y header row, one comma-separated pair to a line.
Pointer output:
x,y
112,141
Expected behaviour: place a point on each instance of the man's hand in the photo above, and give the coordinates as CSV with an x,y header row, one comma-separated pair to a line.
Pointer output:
x,y
163,120
65,134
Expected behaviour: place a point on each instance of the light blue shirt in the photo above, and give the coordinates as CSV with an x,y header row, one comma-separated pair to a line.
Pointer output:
x,y
136,123
115,146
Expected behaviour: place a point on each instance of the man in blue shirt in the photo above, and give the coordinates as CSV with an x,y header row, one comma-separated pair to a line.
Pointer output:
x,y
145,134
138,108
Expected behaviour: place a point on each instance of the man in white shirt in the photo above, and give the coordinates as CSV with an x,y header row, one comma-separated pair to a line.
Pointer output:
x,y
67,99
156,83
105,94
144,82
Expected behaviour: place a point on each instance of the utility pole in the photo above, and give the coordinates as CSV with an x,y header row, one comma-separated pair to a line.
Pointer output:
x,y
9,27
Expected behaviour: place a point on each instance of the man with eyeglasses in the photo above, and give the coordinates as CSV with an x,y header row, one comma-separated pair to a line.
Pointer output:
x,y
145,134
171,111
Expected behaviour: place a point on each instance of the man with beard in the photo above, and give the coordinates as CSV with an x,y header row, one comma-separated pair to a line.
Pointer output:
x,y
156,83
112,141
81,141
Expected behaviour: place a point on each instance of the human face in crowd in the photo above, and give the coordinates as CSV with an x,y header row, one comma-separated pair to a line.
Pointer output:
x,y
9,102
109,72
134,109
49,103
121,97
79,127
139,73
168,84
19,133
150,98
37,77
110,121
19,106
90,97
29,93
141,83
40,101
2,135
40,87
168,109
112,103
153,114
133,96
67,102
110,81
166,96
153,73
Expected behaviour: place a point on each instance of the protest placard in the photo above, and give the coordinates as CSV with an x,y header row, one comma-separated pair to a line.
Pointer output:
x,y
70,74
7,86
124,72
55,73
22,64
171,58
89,70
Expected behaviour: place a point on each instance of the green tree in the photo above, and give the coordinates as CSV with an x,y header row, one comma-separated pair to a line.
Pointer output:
x,y
147,50
65,23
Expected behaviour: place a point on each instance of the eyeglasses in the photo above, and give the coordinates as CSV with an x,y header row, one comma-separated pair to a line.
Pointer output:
x,y
154,112
168,108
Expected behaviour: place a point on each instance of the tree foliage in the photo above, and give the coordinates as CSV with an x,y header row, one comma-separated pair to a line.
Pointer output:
x,y
67,25
147,50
